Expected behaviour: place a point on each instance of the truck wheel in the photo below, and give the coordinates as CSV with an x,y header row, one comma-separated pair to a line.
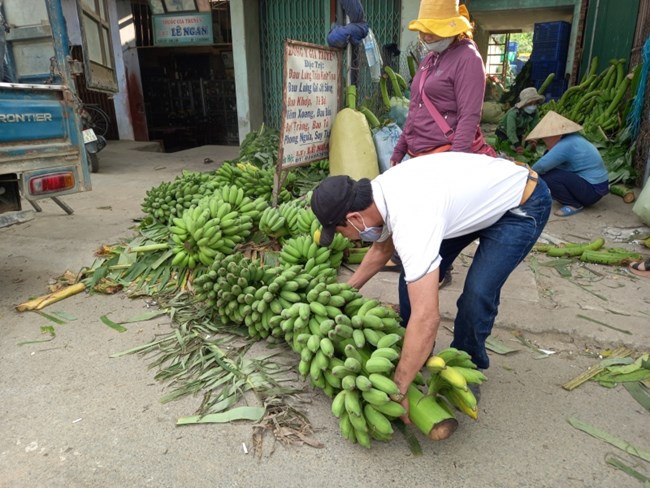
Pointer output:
x,y
94,162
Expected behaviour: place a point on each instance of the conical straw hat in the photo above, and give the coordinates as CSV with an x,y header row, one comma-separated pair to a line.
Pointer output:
x,y
553,124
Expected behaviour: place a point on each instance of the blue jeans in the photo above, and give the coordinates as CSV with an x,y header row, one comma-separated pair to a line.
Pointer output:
x,y
570,189
502,246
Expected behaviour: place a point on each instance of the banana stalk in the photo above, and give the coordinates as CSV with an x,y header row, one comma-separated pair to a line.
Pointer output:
x,y
575,249
430,415
615,258
626,193
50,298
149,248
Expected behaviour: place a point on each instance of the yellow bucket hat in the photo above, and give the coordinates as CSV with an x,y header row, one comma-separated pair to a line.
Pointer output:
x,y
553,124
444,18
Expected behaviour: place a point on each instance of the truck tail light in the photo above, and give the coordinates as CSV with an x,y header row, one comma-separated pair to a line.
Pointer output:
x,y
56,182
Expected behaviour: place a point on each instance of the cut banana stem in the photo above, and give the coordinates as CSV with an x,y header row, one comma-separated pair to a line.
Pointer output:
x,y
430,416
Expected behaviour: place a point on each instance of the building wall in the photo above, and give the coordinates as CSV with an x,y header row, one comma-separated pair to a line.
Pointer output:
x,y
121,98
130,79
248,74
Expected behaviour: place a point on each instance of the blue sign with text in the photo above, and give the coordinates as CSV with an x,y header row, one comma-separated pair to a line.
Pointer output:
x,y
183,29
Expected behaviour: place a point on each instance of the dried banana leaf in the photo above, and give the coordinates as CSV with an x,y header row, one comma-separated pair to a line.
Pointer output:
x,y
610,439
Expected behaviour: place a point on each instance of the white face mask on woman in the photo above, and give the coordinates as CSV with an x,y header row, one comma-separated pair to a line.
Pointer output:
x,y
437,46
530,109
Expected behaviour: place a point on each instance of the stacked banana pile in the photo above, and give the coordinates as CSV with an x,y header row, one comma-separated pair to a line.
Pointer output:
x,y
348,345
171,199
256,181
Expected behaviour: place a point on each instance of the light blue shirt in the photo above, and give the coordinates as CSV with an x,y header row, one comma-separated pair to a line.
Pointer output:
x,y
577,155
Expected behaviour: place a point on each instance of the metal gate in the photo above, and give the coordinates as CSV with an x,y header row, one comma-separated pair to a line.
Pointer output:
x,y
302,20
310,21
384,18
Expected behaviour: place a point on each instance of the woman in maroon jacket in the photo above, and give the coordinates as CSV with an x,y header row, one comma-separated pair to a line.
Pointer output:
x,y
451,76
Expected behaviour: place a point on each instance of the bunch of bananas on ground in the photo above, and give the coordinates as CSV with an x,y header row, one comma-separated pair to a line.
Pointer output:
x,y
171,199
306,223
211,227
452,371
351,355
257,182
304,251
348,345
235,196
273,223
228,286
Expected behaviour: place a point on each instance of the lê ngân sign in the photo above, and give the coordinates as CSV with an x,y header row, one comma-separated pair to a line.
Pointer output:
x,y
183,29
312,82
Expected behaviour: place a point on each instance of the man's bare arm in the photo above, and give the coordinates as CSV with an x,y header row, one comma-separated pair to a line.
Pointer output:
x,y
421,330
376,257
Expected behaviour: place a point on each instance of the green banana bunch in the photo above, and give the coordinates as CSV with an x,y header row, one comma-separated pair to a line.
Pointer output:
x,y
307,223
171,199
452,370
314,258
203,231
228,286
255,181
348,345
291,211
272,223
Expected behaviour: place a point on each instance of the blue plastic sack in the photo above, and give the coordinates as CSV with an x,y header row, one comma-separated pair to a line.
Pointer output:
x,y
340,35
385,140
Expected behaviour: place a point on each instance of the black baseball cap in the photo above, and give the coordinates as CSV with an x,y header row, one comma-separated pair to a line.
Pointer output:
x,y
331,202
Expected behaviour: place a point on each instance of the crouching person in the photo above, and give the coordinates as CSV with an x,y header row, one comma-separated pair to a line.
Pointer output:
x,y
429,209
571,167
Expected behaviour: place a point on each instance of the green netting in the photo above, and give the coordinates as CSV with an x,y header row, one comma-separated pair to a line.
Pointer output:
x,y
301,20
309,21
383,17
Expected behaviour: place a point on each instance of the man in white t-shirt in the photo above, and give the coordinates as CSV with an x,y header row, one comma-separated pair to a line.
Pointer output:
x,y
429,209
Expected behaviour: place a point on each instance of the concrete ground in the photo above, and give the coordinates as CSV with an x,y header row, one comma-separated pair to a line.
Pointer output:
x,y
71,416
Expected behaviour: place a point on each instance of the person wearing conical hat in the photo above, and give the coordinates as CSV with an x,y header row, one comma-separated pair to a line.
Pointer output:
x,y
451,75
520,119
571,167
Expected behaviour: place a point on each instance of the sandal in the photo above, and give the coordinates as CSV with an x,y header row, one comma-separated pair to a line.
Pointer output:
x,y
641,268
567,211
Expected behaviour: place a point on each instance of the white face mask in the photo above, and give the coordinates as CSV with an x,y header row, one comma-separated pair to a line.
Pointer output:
x,y
530,109
437,46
